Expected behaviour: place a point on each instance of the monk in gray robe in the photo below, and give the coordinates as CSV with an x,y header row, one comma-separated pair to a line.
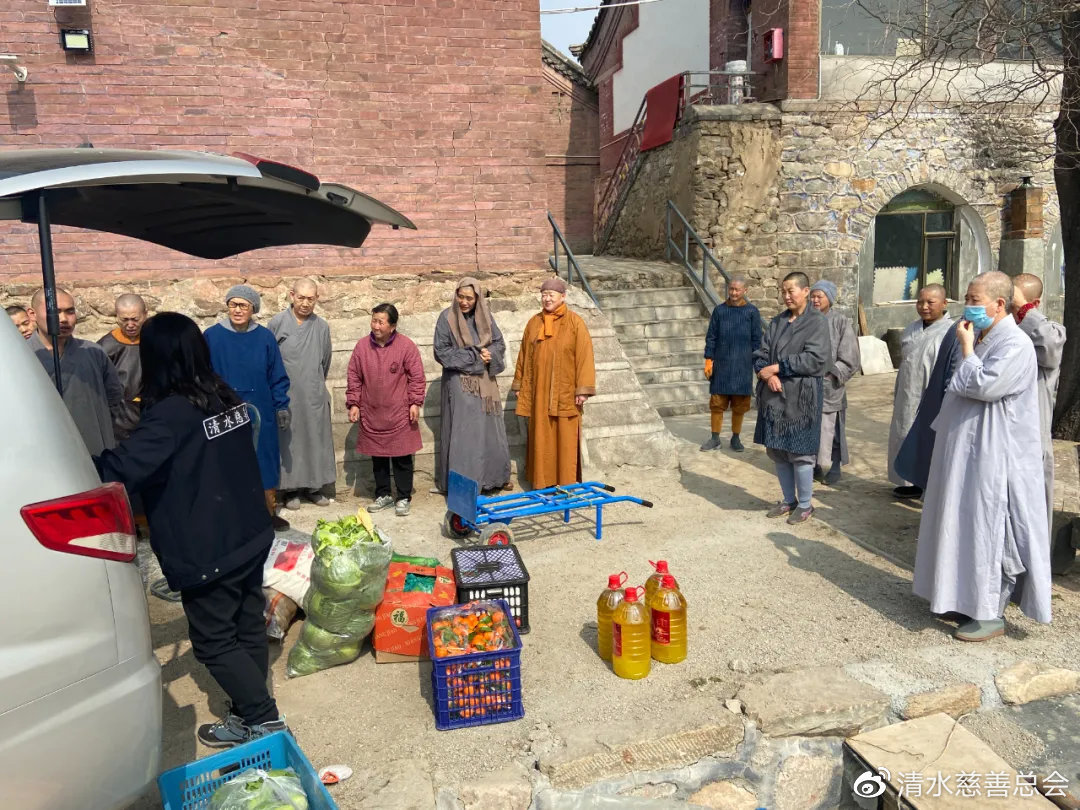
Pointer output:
x,y
918,352
471,350
982,537
92,390
845,361
1049,341
307,444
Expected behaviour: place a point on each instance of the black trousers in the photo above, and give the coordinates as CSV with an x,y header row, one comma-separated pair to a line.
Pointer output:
x,y
228,636
403,475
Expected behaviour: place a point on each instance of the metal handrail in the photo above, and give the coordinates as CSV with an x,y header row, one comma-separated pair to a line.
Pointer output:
x,y
621,178
572,265
704,286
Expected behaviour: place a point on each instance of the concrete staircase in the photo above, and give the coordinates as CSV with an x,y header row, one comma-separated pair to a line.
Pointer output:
x,y
661,325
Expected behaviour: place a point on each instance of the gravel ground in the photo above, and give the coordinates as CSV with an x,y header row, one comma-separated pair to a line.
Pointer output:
x,y
763,596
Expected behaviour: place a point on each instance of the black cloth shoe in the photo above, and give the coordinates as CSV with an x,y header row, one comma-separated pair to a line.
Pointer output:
x,y
227,732
908,493
279,523
736,443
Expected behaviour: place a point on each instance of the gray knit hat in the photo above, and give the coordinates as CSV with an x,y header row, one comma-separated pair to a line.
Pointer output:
x,y
824,286
245,292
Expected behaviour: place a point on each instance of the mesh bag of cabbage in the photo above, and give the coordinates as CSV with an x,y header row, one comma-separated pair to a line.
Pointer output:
x,y
348,577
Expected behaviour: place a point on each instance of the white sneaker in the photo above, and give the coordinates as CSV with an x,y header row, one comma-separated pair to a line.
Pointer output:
x,y
382,502
401,508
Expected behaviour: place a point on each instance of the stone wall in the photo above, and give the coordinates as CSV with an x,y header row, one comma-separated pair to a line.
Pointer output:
x,y
434,108
619,427
797,188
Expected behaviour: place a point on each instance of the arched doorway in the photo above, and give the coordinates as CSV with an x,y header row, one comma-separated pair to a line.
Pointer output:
x,y
924,235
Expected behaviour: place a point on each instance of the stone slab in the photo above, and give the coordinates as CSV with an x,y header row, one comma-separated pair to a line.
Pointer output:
x,y
805,782
1026,681
955,701
698,729
932,751
818,702
724,796
506,789
874,356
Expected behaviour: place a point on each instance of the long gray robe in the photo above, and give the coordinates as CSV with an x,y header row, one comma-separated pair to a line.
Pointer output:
x,y
845,363
471,441
982,536
1049,340
918,353
92,390
307,447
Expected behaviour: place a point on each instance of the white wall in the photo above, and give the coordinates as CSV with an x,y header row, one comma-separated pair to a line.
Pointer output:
x,y
672,36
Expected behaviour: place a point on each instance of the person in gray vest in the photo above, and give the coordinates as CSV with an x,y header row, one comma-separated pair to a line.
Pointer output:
x,y
833,450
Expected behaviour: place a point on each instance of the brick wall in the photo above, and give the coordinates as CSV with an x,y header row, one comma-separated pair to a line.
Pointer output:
x,y
601,61
434,107
571,136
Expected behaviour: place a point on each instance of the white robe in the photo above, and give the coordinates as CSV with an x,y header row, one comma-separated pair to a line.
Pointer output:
x,y
983,532
918,353
1049,340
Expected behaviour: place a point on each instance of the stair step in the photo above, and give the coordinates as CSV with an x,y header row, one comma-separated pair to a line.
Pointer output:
x,y
670,375
677,392
647,361
694,327
682,408
642,347
652,296
653,313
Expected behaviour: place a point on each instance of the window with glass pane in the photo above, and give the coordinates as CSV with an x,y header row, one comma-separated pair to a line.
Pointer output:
x,y
914,245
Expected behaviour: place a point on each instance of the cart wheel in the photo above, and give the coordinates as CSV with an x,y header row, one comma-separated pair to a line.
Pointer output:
x,y
455,527
496,534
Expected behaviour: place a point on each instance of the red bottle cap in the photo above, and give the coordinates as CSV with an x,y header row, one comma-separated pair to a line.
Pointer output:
x,y
668,581
660,566
615,581
632,594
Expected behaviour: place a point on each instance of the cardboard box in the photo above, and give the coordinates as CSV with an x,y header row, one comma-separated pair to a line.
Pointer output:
x,y
400,620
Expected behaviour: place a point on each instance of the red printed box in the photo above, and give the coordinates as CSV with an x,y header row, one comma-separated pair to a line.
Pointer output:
x,y
401,619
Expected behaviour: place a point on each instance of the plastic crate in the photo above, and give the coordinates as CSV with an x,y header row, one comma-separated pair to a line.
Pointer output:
x,y
191,786
463,685
493,572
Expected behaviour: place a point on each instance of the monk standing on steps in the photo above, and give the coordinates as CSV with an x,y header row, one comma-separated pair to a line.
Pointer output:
x,y
555,374
1049,341
982,537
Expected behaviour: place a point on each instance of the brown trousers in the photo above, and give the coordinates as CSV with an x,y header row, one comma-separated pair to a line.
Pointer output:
x,y
718,403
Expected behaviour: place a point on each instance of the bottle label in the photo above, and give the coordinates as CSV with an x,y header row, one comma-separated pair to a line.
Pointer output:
x,y
661,627
616,639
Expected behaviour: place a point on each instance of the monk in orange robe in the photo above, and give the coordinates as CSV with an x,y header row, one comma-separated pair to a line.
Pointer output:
x,y
554,376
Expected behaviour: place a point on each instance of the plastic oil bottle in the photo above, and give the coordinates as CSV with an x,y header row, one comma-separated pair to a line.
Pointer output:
x,y
653,582
668,619
605,609
630,642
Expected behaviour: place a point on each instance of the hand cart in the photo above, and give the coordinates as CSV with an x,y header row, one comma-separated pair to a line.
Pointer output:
x,y
469,511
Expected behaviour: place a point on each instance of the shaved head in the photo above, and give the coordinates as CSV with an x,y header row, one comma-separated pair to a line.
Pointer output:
x,y
130,301
994,284
1030,286
934,290
65,306
37,303
305,286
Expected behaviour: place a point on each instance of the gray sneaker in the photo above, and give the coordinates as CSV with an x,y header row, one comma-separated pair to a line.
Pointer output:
x,y
781,509
382,502
292,501
225,733
269,727
800,516
317,498
711,444
401,508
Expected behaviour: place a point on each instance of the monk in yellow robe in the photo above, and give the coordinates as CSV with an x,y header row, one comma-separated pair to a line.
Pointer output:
x,y
554,376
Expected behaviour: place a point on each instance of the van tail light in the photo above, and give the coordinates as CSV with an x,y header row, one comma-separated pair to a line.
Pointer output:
x,y
97,523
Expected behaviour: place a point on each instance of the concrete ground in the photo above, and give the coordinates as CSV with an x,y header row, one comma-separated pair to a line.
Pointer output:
x,y
763,597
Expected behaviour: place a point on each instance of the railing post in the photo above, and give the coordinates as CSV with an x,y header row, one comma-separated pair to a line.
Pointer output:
x,y
667,232
686,244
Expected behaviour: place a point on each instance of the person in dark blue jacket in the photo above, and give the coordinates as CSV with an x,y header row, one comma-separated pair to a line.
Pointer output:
x,y
192,459
247,357
733,337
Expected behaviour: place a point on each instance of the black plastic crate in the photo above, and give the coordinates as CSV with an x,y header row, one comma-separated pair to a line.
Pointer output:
x,y
493,572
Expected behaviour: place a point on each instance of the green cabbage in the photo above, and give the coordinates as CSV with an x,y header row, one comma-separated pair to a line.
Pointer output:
x,y
279,789
347,617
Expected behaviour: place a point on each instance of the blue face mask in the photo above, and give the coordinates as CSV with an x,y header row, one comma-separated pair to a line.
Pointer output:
x,y
977,317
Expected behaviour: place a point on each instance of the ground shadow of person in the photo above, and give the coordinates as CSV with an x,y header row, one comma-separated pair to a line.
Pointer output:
x,y
881,591
723,493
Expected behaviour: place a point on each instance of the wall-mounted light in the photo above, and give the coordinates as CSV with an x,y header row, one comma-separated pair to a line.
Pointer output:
x,y
76,40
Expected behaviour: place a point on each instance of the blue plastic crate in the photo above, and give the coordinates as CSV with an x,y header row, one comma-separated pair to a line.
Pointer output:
x,y
191,786
476,689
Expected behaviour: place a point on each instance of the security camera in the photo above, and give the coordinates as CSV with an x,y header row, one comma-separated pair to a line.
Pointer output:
x,y
12,63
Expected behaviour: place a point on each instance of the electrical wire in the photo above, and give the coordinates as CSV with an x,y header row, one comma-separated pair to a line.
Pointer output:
x,y
595,8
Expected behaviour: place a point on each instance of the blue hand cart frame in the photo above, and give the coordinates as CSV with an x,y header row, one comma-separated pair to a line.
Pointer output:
x,y
469,511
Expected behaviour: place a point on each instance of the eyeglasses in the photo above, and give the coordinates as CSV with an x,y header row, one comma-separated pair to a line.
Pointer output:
x,y
241,306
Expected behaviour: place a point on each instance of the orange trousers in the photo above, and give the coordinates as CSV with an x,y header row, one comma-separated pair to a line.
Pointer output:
x,y
554,452
718,403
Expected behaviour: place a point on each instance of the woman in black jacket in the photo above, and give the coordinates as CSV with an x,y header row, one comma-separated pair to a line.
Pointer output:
x,y
192,459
